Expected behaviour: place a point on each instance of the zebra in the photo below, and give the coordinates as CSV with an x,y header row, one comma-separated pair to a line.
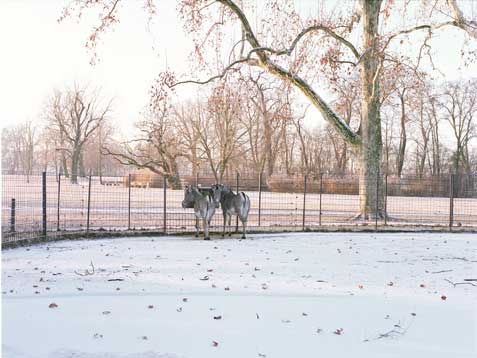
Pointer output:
x,y
204,207
232,204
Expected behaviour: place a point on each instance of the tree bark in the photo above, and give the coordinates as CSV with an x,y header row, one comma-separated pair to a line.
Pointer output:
x,y
82,169
402,137
370,150
74,166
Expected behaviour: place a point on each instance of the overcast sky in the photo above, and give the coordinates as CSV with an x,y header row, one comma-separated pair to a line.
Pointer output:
x,y
40,54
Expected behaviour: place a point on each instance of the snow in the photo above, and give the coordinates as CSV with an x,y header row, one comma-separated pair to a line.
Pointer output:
x,y
277,295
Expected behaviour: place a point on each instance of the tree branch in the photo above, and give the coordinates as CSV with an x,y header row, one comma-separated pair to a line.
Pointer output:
x,y
468,26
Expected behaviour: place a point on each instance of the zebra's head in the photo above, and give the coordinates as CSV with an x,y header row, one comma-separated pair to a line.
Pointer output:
x,y
189,198
217,192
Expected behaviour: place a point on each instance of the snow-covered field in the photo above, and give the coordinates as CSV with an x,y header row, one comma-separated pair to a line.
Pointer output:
x,y
282,295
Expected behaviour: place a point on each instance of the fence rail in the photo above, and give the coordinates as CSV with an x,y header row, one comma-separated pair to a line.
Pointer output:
x,y
50,206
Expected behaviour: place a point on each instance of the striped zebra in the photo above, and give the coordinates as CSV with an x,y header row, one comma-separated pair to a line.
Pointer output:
x,y
232,204
204,207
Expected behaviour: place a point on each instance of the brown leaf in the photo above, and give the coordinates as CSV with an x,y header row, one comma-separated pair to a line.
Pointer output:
x,y
338,331
215,344
53,305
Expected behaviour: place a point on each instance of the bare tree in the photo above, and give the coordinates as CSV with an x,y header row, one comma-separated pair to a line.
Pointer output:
x,y
284,44
156,147
76,114
459,104
220,134
19,144
185,115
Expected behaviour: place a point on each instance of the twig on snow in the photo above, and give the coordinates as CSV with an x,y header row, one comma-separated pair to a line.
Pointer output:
x,y
442,271
461,283
398,330
86,272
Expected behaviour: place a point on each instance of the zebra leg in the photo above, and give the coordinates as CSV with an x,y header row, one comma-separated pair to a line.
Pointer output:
x,y
225,224
196,227
206,230
230,225
244,224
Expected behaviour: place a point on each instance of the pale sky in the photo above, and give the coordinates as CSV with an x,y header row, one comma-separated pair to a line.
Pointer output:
x,y
40,54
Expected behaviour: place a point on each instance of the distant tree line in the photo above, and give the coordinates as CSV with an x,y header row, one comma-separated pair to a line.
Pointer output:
x,y
251,125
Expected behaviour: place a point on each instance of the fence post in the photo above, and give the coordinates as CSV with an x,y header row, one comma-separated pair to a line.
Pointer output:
x,y
321,192
238,184
58,204
44,204
197,185
89,204
386,199
12,216
304,202
129,202
451,201
164,211
259,197
376,213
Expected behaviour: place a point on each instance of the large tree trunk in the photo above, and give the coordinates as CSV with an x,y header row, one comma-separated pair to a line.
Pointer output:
x,y
82,169
371,201
267,133
64,164
402,138
74,166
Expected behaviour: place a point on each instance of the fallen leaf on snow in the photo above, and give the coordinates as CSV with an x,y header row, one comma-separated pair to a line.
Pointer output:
x,y
53,305
338,331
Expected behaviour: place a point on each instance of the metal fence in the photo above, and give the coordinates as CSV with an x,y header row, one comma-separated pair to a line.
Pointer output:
x,y
49,206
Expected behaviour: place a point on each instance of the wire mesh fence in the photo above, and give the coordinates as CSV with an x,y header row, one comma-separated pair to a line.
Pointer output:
x,y
50,206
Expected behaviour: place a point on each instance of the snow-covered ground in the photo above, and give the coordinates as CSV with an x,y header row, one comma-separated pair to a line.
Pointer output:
x,y
282,295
